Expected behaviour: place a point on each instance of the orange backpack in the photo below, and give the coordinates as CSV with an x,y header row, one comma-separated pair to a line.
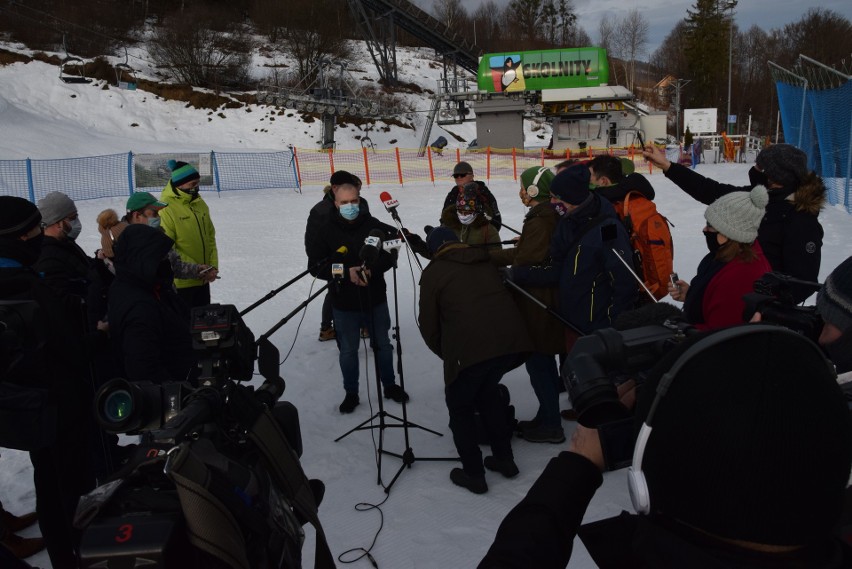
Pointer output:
x,y
651,240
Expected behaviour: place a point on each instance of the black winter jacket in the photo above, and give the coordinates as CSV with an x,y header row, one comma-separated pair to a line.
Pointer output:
x,y
149,323
539,532
790,233
324,238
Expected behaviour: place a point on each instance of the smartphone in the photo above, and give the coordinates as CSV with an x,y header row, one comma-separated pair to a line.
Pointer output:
x,y
207,270
641,140
674,278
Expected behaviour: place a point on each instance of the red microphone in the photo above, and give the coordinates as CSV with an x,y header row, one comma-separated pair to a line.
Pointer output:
x,y
390,205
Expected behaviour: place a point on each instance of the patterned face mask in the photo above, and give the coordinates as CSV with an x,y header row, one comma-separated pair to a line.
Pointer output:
x,y
466,218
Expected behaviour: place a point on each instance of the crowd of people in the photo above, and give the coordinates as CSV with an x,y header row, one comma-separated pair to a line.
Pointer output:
x,y
569,271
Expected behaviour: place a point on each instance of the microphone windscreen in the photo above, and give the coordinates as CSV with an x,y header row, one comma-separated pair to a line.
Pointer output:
x,y
385,196
648,315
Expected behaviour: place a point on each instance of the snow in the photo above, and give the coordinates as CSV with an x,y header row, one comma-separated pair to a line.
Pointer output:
x,y
426,523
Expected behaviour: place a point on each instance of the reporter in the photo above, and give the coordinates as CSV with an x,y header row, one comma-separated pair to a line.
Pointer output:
x,y
746,450
790,233
714,299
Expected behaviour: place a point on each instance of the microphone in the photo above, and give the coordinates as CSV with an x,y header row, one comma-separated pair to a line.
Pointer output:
x,y
390,205
370,250
337,265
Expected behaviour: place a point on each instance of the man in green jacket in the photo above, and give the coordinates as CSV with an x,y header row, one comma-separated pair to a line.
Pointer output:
x,y
187,222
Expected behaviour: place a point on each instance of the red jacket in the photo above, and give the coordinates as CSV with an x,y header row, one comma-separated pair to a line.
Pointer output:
x,y
722,304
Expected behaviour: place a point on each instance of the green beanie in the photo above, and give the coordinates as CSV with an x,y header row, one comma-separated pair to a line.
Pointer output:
x,y
536,181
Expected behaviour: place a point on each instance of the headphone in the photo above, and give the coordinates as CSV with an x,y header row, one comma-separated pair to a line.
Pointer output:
x,y
636,482
532,189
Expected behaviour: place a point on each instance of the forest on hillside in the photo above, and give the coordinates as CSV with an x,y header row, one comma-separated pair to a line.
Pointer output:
x,y
209,43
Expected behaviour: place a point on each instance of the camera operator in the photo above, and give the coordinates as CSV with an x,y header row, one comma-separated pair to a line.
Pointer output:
x,y
741,461
60,462
834,304
149,322
790,233
359,299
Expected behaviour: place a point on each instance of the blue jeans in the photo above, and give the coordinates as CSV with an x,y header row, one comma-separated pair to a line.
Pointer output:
x,y
347,325
544,378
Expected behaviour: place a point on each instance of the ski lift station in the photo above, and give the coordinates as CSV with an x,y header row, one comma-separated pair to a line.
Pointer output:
x,y
569,88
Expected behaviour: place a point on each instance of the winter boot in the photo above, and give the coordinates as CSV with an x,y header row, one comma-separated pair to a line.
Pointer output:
x,y
506,467
542,434
15,523
476,485
349,402
327,334
23,547
395,392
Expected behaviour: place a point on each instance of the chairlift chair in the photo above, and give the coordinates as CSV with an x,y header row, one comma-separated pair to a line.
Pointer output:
x,y
69,65
72,70
124,77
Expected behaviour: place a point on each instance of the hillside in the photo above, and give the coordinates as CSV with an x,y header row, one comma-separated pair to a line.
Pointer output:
x,y
32,95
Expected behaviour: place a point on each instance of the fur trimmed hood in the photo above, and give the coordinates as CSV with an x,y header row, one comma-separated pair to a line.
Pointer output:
x,y
810,196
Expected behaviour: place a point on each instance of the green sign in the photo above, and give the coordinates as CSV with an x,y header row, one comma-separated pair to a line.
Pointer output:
x,y
544,69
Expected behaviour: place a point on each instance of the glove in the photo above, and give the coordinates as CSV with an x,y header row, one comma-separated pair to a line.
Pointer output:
x,y
505,273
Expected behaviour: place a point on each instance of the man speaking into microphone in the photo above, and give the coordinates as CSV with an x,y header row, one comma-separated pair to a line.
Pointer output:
x,y
359,298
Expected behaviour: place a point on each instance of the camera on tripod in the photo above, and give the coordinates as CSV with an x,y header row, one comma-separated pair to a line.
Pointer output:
x,y
773,299
599,363
215,481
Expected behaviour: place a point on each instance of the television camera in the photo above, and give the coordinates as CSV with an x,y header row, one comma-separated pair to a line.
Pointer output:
x,y
773,299
215,481
603,360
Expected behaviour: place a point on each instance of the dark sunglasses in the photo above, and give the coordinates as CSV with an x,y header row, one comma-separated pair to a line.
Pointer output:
x,y
461,175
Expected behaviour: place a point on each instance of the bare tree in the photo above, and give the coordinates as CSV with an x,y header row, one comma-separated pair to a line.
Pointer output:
x,y
451,13
607,34
488,21
632,37
313,31
200,56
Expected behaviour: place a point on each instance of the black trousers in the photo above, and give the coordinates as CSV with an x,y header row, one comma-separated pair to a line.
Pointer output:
x,y
475,389
195,295
62,473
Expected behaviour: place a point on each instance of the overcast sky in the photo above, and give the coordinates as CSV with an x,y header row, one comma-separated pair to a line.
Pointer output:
x,y
664,14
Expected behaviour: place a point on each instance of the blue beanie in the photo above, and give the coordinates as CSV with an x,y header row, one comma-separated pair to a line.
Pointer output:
x,y
182,173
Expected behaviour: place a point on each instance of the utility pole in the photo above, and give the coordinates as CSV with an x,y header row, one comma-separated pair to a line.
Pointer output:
x,y
679,84
731,5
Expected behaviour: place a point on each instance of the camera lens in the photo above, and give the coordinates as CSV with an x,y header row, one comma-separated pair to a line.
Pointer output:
x,y
118,406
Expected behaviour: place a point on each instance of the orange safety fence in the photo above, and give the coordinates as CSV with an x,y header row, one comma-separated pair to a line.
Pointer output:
x,y
399,166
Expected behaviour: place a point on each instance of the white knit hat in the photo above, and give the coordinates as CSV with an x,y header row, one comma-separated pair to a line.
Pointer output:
x,y
738,215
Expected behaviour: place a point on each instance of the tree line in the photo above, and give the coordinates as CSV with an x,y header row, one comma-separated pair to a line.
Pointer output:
x,y
208,43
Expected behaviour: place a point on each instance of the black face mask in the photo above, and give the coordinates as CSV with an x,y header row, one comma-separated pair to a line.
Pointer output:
x,y
25,252
193,193
712,243
757,178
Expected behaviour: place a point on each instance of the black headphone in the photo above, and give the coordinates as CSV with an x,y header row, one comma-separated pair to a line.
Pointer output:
x,y
636,482
532,189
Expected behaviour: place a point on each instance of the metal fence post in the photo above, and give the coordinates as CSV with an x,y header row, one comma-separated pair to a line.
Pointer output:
x,y
215,171
30,186
130,172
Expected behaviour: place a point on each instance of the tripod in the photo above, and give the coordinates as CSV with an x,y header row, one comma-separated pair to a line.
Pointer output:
x,y
408,458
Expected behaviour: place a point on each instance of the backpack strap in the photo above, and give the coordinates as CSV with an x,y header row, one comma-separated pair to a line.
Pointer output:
x,y
210,525
287,472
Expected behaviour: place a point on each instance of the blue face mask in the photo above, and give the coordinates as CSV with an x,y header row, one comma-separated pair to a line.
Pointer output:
x,y
154,222
349,211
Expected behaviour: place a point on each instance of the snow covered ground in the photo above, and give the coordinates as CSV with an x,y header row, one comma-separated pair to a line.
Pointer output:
x,y
427,523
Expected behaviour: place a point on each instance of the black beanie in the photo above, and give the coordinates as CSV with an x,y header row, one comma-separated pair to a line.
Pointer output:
x,y
834,300
572,184
752,441
17,216
784,164
439,237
